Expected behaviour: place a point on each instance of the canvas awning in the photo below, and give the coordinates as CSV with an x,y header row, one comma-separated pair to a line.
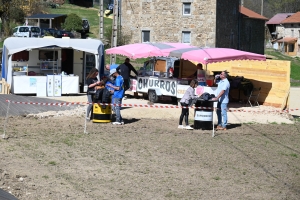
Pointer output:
x,y
14,45
290,40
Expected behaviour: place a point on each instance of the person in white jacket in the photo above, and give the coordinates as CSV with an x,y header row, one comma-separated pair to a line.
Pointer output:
x,y
185,102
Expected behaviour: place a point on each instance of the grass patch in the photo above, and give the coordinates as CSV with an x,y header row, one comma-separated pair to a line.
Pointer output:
x,y
89,13
53,163
294,155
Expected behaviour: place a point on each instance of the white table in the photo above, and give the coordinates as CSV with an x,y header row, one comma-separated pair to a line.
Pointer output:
x,y
28,84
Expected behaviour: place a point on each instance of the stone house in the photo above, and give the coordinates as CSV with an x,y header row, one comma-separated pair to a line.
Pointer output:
x,y
291,35
285,31
209,23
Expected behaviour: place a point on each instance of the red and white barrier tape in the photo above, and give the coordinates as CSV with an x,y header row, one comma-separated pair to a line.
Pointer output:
x,y
147,106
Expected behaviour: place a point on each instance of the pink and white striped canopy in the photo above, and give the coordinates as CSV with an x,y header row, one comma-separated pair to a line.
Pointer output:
x,y
211,55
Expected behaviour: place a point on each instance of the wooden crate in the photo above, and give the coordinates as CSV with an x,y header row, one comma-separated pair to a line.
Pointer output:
x,y
4,87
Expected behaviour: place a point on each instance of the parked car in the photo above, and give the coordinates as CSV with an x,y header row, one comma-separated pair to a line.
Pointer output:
x,y
47,31
27,31
62,33
85,26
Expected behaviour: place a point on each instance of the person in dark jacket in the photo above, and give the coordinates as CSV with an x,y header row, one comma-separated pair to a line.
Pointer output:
x,y
92,82
125,70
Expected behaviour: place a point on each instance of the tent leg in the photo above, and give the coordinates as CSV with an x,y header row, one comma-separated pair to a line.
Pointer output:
x,y
6,120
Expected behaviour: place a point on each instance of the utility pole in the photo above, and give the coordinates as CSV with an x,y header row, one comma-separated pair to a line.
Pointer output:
x,y
114,30
101,20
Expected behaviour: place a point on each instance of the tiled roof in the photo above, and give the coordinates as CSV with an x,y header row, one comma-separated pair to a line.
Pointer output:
x,y
251,14
45,16
295,18
278,18
288,40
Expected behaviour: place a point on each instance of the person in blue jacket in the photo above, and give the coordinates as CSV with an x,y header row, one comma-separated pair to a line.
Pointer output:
x,y
118,88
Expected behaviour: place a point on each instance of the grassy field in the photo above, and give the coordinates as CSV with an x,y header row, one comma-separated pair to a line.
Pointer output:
x,y
89,13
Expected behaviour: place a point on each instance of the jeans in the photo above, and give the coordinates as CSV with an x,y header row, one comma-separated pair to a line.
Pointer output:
x,y
117,109
222,114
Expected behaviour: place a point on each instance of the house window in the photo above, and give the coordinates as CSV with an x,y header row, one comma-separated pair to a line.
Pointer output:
x,y
186,8
186,37
145,36
292,33
20,56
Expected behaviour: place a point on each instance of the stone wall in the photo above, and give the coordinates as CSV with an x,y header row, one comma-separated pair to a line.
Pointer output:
x,y
165,21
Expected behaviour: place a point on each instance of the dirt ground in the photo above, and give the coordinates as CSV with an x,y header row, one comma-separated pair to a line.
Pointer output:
x,y
51,158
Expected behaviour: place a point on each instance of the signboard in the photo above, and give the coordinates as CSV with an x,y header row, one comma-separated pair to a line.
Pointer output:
x,y
54,85
40,87
166,86
133,83
204,116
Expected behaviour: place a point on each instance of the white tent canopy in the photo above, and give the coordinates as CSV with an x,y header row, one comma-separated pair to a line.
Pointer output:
x,y
14,45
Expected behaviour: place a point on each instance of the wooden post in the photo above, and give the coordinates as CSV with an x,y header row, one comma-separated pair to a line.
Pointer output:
x,y
101,19
114,30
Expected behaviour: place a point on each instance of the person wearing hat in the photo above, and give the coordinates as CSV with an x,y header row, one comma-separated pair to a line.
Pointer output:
x,y
118,88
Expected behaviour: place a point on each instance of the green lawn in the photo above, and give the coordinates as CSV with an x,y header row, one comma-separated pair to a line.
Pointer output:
x,y
89,13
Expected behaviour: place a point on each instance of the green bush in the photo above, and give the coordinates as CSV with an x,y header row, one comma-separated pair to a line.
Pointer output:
x,y
73,23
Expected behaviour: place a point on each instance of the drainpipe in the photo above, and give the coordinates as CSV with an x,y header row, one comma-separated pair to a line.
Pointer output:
x,y
239,26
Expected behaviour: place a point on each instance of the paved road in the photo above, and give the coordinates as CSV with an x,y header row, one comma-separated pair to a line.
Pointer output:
x,y
24,109
295,101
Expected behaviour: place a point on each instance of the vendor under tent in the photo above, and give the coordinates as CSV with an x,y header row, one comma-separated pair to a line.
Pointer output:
x,y
48,56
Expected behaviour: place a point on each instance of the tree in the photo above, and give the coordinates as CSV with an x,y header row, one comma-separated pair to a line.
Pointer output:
x,y
73,23
272,7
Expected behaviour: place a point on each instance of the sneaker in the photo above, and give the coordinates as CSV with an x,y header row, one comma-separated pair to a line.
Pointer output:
x,y
219,127
87,119
122,122
188,127
117,123
181,126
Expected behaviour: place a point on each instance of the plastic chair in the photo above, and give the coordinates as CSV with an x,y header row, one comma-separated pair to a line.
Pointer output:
x,y
254,97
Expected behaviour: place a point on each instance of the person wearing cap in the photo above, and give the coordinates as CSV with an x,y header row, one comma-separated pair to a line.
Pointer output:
x,y
185,102
117,95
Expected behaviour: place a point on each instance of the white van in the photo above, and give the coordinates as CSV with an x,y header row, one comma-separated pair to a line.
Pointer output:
x,y
27,31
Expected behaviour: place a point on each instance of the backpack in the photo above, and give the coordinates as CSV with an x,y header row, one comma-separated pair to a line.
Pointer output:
x,y
205,96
